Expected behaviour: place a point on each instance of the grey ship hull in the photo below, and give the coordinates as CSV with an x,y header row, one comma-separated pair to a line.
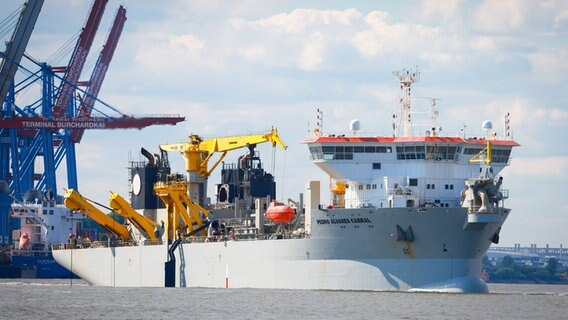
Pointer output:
x,y
348,249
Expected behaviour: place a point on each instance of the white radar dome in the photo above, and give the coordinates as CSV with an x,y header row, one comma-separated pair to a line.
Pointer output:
x,y
487,125
355,125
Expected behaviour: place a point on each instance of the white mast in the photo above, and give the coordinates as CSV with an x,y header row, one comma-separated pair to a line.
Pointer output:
x,y
406,79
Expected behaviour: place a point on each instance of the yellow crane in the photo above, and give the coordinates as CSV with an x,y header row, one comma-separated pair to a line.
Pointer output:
x,y
178,205
197,152
146,226
75,201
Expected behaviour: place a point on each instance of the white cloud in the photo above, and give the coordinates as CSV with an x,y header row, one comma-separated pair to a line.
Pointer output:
x,y
500,16
312,55
447,11
550,65
551,169
483,44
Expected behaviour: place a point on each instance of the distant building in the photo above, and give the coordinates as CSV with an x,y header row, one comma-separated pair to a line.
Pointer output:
x,y
531,256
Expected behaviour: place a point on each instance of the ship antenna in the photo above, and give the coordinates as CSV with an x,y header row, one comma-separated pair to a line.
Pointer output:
x,y
318,131
508,126
406,79
434,113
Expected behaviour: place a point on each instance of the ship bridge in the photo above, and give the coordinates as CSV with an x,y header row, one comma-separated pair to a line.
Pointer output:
x,y
431,168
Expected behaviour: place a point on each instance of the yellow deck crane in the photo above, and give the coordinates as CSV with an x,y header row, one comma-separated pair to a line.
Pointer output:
x,y
75,201
197,152
146,226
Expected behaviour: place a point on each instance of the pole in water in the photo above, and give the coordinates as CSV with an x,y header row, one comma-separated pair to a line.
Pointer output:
x,y
226,276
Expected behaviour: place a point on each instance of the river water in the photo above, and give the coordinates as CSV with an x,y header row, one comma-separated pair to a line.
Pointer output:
x,y
75,299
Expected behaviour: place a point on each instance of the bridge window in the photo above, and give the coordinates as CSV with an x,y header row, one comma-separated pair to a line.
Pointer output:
x,y
376,166
343,152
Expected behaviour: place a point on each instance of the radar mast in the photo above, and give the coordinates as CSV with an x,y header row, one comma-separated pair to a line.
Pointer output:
x,y
406,79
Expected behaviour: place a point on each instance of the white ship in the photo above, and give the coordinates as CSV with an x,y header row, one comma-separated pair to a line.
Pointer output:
x,y
410,212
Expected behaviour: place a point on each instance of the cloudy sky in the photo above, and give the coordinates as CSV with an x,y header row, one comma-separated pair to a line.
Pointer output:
x,y
239,67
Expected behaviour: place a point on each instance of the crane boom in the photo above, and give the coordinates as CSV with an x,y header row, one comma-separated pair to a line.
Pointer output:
x,y
100,70
17,45
75,201
143,224
197,151
78,58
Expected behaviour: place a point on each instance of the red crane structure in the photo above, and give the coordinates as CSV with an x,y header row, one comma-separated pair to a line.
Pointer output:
x,y
73,71
98,75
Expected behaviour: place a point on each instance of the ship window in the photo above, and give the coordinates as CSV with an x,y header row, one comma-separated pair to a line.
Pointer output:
x,y
374,186
369,149
501,155
447,187
428,186
472,151
413,182
316,153
358,149
52,228
360,187
44,211
376,165
451,187
368,187
51,212
433,186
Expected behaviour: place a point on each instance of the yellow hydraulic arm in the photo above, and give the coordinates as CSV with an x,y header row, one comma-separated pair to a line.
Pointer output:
x,y
75,201
121,206
197,151
178,204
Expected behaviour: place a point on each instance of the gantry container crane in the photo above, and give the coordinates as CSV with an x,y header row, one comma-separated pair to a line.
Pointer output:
x,y
48,128
10,61
98,75
75,67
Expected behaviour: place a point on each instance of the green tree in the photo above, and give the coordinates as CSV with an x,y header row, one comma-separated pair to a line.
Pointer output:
x,y
507,262
551,265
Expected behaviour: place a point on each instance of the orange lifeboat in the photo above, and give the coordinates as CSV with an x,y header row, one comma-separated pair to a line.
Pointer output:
x,y
278,212
24,241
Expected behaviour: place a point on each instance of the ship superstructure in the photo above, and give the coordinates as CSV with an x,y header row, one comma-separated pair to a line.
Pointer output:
x,y
405,169
38,222
410,212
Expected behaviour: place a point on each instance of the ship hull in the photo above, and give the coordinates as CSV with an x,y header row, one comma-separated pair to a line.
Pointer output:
x,y
44,265
348,249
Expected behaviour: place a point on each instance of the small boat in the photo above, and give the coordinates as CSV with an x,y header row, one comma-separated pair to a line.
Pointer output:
x,y
278,212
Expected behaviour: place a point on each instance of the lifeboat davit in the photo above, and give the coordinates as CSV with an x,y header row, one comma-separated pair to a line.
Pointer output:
x,y
24,241
278,212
